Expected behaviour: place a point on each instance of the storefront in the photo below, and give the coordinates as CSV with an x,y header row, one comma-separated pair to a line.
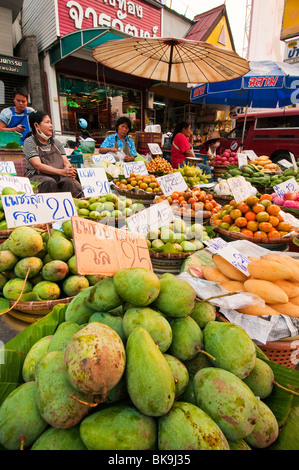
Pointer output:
x,y
13,74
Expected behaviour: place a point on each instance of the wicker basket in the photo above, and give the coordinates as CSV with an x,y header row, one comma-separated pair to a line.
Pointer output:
x,y
205,216
282,352
168,262
5,233
39,308
137,194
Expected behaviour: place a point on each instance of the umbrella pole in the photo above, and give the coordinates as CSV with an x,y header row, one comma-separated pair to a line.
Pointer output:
x,y
244,128
167,90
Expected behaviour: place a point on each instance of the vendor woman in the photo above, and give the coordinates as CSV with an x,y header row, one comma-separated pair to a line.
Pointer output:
x,y
211,147
46,161
120,140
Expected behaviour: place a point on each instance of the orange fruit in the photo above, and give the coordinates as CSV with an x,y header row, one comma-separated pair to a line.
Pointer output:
x,y
262,216
235,213
241,222
273,209
282,233
227,219
280,218
284,227
209,206
175,195
265,227
250,215
243,207
252,200
234,228
260,234
252,225
274,234
273,220
191,200
247,232
266,203
266,196
258,208
233,203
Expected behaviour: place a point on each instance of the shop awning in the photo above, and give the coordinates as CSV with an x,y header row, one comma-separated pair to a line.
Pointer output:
x,y
87,39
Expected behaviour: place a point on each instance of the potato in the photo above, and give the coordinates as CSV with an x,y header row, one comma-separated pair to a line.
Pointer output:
x,y
211,273
267,290
269,270
290,288
258,311
232,286
289,309
287,261
228,269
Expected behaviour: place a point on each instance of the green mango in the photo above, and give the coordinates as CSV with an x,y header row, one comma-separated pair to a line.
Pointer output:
x,y
189,394
260,380
63,335
47,290
239,445
76,310
13,288
150,382
187,338
266,430
3,280
103,296
59,403
179,305
180,374
8,260
188,427
33,263
198,362
203,313
20,420
95,359
60,439
119,428
56,270
114,321
118,392
35,353
227,400
138,286
60,247
152,321
74,284
231,347
25,241
5,245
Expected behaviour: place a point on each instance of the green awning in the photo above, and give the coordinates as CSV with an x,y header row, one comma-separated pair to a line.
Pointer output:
x,y
86,39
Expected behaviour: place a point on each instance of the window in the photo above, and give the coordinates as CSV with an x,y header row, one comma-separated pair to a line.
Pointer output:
x,y
100,105
238,131
278,122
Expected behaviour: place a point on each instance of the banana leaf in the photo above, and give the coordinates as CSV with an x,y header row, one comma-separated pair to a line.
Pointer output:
x,y
13,354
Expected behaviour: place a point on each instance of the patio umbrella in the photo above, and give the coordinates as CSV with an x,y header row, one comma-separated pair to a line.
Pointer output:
x,y
267,85
171,60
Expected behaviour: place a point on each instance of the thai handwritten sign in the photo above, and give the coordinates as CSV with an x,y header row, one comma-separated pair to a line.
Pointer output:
x,y
155,149
138,168
234,257
35,209
101,249
240,188
18,183
150,219
242,159
105,156
286,186
94,181
171,183
8,167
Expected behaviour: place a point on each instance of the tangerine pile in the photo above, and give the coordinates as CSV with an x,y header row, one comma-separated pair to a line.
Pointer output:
x,y
254,217
192,201
146,183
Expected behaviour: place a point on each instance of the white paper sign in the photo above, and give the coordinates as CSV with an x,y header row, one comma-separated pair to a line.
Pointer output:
x,y
36,209
138,168
150,219
294,161
94,181
285,163
286,186
250,154
8,167
242,159
18,183
100,158
240,188
233,256
171,183
155,149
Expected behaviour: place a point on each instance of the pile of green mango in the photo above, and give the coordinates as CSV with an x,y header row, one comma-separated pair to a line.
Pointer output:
x,y
50,259
140,363
252,173
288,174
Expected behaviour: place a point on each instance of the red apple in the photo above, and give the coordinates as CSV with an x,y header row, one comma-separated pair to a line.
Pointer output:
x,y
290,196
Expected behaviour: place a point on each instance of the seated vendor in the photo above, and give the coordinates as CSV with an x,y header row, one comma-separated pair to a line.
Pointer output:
x,y
120,140
211,147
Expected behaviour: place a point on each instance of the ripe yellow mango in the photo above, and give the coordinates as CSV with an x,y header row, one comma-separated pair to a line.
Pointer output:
x,y
267,290
289,309
228,269
269,270
212,274
287,261
290,288
233,286
258,311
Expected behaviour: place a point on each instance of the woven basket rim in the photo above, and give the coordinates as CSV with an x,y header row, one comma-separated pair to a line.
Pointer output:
x,y
39,305
182,255
203,214
138,195
5,233
242,236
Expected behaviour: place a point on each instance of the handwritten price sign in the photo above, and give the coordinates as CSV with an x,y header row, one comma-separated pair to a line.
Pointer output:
x,y
138,168
240,188
8,167
150,219
18,183
286,186
171,183
94,181
100,158
242,159
35,209
234,257
101,249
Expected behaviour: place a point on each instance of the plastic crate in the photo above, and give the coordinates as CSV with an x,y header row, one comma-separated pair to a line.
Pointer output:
x,y
17,157
7,137
76,160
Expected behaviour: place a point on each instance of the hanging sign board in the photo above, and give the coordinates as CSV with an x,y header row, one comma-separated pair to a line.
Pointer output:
x,y
36,209
234,257
138,168
286,186
94,181
18,183
8,167
240,188
250,154
171,183
150,219
101,249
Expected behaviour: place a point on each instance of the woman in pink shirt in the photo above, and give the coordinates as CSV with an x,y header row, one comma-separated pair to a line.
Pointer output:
x,y
181,144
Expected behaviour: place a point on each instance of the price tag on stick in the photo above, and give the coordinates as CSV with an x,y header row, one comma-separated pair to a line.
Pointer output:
x,y
101,249
286,186
138,168
150,219
171,183
8,167
240,188
18,183
94,181
233,256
